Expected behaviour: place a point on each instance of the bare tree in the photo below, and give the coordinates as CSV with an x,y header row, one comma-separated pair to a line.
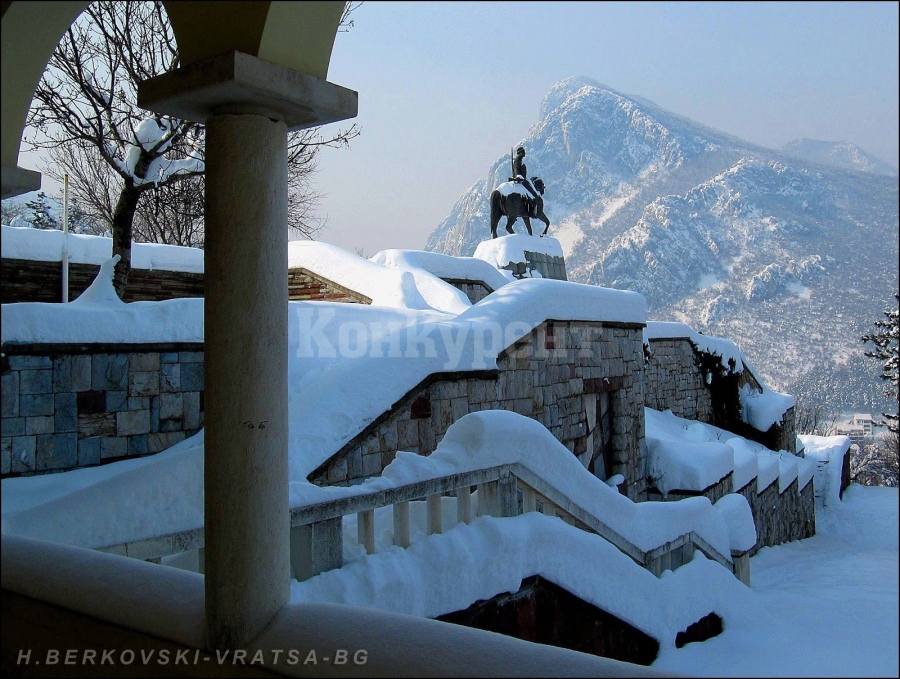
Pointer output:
x,y
877,462
812,418
137,172
14,212
87,98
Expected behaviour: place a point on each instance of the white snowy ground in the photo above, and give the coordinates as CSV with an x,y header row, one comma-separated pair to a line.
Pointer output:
x,y
830,602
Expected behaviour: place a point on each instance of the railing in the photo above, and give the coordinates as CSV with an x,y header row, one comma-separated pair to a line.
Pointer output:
x,y
317,535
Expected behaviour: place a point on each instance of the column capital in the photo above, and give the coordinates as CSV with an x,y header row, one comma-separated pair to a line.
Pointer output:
x,y
236,82
17,180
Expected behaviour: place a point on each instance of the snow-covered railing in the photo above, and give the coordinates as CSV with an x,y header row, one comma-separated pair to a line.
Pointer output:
x,y
317,534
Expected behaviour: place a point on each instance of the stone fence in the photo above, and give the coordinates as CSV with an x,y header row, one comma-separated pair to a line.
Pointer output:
x,y
68,406
26,280
780,515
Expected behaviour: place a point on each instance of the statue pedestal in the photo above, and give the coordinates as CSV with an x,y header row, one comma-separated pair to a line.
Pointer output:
x,y
525,256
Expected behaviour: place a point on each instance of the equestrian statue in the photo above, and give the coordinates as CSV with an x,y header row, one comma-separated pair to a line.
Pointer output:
x,y
518,198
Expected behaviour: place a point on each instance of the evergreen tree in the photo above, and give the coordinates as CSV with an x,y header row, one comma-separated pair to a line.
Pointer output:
x,y
886,340
41,216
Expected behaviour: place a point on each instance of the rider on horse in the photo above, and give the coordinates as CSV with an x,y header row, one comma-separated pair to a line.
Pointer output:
x,y
520,176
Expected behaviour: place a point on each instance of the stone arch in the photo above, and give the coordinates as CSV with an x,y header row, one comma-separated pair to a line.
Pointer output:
x,y
298,35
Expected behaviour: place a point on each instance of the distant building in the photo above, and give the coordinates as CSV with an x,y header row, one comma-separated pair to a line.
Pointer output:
x,y
865,421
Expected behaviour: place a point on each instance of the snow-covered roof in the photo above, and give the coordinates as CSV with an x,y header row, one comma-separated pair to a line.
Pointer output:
x,y
349,394
717,346
442,266
19,242
413,288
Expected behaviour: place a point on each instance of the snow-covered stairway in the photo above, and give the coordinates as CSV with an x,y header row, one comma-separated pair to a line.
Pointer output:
x,y
502,455
317,540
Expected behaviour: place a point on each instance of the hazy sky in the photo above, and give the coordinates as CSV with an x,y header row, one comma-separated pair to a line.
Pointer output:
x,y
446,88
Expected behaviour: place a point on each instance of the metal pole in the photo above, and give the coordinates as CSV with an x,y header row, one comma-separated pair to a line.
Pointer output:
x,y
65,250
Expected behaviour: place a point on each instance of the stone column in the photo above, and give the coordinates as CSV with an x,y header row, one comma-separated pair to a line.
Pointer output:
x,y
248,105
245,327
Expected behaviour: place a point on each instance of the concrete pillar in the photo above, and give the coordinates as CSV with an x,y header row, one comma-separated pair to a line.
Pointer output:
x,y
245,363
317,547
464,504
434,514
248,104
741,562
365,529
507,495
529,500
401,524
487,498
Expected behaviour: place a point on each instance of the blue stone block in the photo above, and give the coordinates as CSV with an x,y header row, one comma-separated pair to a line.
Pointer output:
x,y
56,451
35,381
66,412
12,426
29,362
22,457
192,377
116,401
31,405
62,373
137,445
89,451
109,371
9,394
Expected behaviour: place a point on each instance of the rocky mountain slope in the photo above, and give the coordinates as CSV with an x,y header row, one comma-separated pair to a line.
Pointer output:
x,y
790,257
841,154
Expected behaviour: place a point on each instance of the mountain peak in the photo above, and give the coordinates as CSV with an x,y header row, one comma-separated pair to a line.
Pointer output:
x,y
733,238
565,88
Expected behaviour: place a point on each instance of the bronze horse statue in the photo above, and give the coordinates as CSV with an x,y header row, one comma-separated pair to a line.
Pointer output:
x,y
514,206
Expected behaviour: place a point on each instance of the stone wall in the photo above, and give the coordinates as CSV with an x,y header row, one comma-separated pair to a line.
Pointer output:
x,y
544,613
25,280
37,281
68,406
781,517
306,285
474,290
715,492
672,381
675,379
553,375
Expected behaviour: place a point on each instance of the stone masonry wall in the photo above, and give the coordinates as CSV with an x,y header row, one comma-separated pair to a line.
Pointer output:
x,y
715,492
781,517
552,380
77,406
305,285
673,382
25,280
474,290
